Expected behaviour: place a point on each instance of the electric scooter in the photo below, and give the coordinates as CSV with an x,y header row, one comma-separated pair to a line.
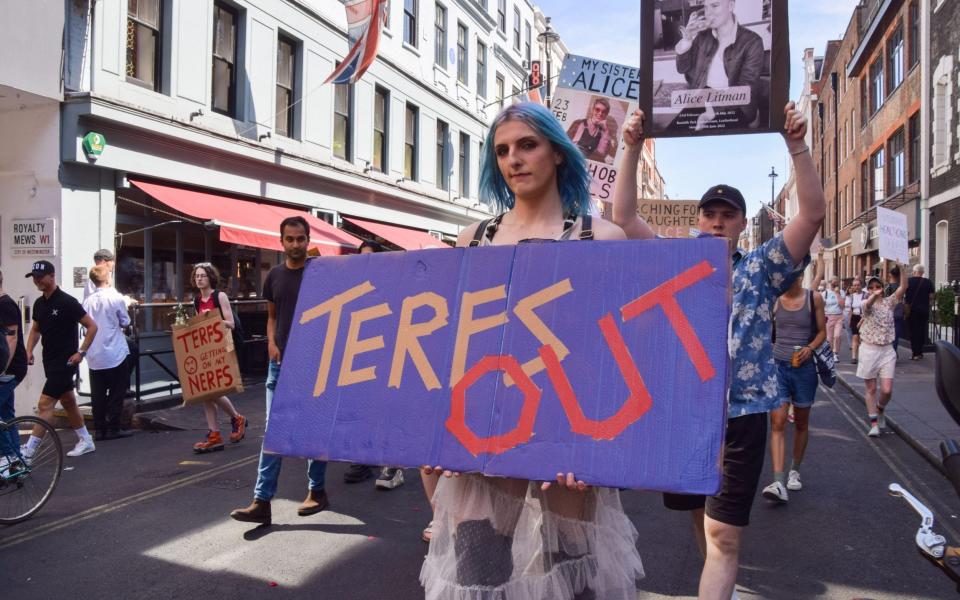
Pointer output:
x,y
933,546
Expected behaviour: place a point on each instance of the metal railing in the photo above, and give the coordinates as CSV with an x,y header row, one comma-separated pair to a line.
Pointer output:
x,y
144,311
945,328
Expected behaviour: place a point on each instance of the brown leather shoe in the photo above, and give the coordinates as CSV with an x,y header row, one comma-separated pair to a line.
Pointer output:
x,y
316,502
257,512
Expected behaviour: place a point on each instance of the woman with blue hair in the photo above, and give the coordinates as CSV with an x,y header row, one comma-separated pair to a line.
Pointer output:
x,y
503,538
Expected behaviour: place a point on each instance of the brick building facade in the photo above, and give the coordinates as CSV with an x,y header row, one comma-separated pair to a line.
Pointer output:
x,y
944,150
867,131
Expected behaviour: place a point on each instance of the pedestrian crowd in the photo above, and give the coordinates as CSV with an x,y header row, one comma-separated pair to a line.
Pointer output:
x,y
510,538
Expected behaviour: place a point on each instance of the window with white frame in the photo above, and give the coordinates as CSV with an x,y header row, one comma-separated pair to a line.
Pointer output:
x,y
410,139
463,66
410,22
440,37
481,69
942,115
381,129
144,42
942,253
502,16
443,172
516,28
224,88
286,86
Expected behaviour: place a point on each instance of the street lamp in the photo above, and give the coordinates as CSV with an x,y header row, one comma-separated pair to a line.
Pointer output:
x,y
548,37
773,182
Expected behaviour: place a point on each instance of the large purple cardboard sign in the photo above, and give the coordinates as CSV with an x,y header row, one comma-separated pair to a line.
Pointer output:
x,y
607,359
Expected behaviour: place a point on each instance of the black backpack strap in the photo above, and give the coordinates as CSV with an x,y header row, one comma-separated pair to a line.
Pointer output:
x,y
813,318
586,227
479,233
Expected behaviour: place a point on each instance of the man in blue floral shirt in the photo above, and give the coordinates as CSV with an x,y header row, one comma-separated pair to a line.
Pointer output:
x,y
759,278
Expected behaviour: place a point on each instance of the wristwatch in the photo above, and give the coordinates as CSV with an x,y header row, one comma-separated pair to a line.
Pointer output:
x,y
82,353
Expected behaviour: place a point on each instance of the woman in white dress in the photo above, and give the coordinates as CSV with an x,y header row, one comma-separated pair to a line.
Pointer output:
x,y
510,539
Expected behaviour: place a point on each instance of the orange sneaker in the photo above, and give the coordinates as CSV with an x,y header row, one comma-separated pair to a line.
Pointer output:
x,y
238,427
213,443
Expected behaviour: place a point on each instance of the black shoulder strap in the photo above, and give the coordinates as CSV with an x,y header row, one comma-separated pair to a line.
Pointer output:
x,y
586,227
479,233
813,317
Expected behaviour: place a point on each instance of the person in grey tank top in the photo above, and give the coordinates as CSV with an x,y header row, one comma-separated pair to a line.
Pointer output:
x,y
799,327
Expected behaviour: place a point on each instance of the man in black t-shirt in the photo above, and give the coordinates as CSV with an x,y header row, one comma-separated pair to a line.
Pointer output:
x,y
919,297
280,290
56,316
14,369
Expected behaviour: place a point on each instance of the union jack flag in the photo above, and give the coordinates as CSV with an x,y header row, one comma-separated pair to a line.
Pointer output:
x,y
365,20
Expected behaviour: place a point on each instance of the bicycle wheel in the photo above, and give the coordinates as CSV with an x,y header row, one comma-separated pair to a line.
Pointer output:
x,y
26,485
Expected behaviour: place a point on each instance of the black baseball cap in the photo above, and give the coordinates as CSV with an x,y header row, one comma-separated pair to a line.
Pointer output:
x,y
41,268
725,193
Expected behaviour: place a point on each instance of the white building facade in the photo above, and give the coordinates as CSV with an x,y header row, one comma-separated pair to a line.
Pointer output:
x,y
226,98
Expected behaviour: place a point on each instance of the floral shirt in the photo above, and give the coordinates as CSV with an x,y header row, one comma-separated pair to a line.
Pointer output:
x,y
877,326
759,278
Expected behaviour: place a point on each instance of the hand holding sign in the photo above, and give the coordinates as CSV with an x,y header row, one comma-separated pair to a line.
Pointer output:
x,y
633,130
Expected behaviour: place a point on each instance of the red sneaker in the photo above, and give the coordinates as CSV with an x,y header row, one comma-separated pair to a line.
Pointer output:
x,y
213,443
238,427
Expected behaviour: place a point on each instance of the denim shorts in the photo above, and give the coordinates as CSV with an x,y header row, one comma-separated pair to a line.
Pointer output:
x,y
798,385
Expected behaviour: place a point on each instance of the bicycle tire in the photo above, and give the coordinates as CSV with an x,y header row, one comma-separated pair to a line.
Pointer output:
x,y
44,470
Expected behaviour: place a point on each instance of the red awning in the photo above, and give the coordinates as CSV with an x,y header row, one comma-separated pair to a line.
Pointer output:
x,y
249,223
408,239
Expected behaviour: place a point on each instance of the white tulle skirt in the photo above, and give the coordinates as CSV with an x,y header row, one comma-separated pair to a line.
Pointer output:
x,y
505,539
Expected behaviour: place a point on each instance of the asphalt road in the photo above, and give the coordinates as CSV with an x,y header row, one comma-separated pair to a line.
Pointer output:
x,y
145,518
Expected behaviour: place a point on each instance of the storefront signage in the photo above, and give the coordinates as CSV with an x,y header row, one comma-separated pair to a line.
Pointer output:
x,y
33,237
517,361
93,145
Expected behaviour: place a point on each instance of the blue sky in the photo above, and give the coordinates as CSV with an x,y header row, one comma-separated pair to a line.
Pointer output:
x,y
609,30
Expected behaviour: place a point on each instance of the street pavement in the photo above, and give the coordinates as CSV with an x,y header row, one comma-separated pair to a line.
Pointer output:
x,y
915,411
146,518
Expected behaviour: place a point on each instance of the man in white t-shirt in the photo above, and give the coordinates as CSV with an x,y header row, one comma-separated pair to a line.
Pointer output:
x,y
107,356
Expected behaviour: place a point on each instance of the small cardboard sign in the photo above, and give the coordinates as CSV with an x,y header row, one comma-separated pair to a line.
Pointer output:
x,y
206,359
892,234
592,101
605,359
670,218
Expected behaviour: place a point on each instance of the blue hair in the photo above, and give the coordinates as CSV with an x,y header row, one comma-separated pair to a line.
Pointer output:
x,y
573,180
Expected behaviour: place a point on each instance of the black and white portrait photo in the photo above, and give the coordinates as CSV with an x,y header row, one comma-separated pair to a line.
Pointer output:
x,y
713,65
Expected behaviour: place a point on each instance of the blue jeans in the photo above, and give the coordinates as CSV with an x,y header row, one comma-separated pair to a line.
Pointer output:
x,y
798,385
269,470
9,439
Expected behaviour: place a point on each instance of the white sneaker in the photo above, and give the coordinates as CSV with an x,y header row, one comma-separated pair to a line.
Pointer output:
x,y
874,431
793,481
84,446
389,478
776,492
27,454
881,421
734,596
4,467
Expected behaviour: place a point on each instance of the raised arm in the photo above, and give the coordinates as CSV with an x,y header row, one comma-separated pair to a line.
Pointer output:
x,y
902,289
225,310
818,273
802,229
625,191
